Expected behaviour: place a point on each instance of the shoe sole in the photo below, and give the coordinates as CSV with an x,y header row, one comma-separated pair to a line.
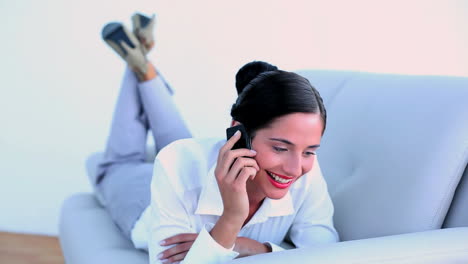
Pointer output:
x,y
115,32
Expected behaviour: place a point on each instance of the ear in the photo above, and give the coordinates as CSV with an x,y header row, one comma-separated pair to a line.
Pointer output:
x,y
235,123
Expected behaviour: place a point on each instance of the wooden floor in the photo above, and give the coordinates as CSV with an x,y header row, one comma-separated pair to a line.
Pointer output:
x,y
22,249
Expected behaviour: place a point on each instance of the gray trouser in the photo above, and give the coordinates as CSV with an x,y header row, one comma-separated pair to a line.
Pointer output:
x,y
123,176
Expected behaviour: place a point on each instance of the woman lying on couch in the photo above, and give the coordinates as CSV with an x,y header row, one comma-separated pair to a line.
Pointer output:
x,y
203,201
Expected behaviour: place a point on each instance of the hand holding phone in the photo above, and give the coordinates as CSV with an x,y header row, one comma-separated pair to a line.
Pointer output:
x,y
234,168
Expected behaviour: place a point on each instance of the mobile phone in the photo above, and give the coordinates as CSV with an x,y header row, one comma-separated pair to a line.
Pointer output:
x,y
244,141
115,32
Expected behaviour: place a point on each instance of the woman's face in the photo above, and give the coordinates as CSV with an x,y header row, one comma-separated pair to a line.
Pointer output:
x,y
285,152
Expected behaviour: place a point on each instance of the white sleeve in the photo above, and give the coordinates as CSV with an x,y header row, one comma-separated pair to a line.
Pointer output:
x,y
274,247
206,250
314,220
169,217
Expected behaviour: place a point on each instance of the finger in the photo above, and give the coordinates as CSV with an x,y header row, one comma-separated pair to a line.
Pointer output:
x,y
226,148
177,258
243,152
239,164
179,238
230,157
245,174
175,250
229,144
249,162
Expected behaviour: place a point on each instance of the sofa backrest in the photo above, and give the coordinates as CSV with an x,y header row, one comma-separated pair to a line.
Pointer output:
x,y
394,150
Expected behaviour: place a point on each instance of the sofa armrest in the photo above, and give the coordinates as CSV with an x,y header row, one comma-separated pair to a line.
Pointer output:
x,y
88,234
429,247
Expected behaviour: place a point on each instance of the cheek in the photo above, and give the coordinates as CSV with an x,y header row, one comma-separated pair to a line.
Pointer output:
x,y
266,159
308,165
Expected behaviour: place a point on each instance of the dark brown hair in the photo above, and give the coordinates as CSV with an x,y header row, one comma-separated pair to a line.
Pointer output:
x,y
272,94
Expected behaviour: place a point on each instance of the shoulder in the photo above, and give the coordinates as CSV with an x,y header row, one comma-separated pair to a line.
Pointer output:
x,y
186,162
196,148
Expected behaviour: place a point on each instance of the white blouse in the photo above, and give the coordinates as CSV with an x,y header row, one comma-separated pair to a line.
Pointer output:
x,y
185,199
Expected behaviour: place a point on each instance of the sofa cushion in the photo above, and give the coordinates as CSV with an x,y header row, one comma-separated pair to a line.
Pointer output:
x,y
394,150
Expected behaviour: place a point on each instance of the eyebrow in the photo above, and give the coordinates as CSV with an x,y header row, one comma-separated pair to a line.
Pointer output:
x,y
290,143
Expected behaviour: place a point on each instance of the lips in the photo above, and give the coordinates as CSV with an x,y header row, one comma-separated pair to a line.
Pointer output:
x,y
279,181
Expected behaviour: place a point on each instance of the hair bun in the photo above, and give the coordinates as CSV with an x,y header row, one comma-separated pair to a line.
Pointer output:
x,y
249,71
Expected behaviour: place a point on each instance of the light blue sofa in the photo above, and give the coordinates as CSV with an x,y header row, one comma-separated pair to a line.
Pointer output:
x,y
395,157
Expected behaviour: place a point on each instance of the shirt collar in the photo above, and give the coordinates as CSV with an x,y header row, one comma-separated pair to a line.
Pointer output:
x,y
211,203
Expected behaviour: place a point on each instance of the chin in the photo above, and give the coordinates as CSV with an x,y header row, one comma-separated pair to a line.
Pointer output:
x,y
277,194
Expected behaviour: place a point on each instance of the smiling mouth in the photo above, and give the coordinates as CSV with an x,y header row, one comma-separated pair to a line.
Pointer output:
x,y
278,179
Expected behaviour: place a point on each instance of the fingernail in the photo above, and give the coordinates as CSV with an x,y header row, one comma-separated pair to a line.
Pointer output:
x,y
162,243
237,133
160,255
253,151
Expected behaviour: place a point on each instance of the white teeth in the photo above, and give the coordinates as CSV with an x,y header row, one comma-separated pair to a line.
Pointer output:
x,y
279,179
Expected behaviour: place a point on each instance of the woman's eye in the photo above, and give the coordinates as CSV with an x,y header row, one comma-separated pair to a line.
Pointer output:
x,y
310,153
278,149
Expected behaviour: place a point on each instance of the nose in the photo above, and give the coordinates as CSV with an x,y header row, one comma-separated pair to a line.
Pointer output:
x,y
293,166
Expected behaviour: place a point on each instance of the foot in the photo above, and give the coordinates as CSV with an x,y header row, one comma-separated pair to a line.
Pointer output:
x,y
126,45
143,29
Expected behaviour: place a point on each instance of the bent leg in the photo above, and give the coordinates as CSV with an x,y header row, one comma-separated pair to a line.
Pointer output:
x,y
123,177
127,137
165,120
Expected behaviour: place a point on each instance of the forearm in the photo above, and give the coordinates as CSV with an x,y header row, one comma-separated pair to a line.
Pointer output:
x,y
225,231
248,247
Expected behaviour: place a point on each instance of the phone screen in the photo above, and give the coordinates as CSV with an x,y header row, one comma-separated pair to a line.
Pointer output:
x,y
244,141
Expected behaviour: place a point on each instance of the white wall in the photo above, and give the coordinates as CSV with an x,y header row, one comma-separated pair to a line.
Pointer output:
x,y
60,81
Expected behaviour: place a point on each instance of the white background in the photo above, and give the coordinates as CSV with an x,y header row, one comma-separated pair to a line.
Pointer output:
x,y
59,81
